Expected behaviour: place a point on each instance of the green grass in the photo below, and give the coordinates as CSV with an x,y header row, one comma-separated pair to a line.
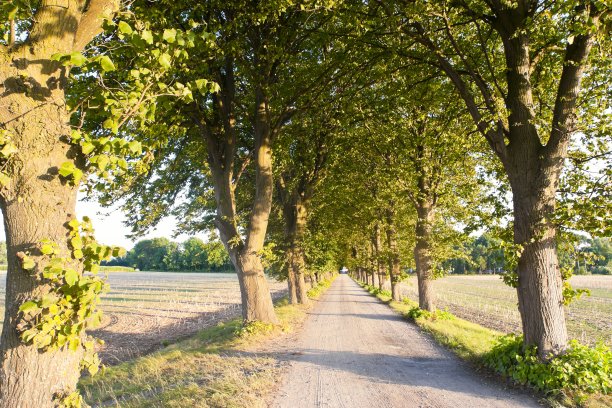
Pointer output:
x,y
469,340
215,368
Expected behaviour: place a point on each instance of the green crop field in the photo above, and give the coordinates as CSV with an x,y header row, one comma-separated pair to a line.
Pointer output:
x,y
486,300
145,310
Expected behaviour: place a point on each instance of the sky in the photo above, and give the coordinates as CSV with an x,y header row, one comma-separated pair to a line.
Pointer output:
x,y
109,227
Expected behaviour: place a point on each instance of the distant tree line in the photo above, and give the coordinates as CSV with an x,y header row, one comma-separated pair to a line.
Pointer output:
x,y
162,254
483,255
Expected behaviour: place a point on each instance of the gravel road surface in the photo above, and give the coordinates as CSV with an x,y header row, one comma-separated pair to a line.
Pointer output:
x,y
355,351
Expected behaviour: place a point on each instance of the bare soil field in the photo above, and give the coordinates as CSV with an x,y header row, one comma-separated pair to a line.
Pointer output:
x,y
486,300
146,310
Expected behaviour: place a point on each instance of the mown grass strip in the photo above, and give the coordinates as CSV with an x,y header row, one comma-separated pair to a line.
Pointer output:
x,y
211,369
474,343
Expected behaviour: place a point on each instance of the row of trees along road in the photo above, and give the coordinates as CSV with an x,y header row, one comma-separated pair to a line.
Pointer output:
x,y
389,129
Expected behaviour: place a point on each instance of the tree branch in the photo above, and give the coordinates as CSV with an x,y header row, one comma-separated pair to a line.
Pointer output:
x,y
92,19
574,64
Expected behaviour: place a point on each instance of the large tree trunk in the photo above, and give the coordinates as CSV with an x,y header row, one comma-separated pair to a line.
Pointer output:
x,y
378,266
295,213
36,205
221,142
540,285
533,171
291,281
254,290
422,257
394,261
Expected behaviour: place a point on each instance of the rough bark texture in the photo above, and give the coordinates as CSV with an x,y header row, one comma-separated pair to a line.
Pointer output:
x,y
534,170
422,257
295,214
36,204
221,142
378,265
394,261
540,286
29,378
254,290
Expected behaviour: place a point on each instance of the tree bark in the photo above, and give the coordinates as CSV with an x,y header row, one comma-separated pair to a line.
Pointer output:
x,y
394,261
29,377
378,267
422,256
295,213
36,203
291,281
540,285
221,141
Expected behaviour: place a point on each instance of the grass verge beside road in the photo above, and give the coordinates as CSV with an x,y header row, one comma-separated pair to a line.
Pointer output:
x,y
474,343
211,369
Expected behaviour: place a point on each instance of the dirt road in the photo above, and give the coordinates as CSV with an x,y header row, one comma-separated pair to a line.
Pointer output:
x,y
356,352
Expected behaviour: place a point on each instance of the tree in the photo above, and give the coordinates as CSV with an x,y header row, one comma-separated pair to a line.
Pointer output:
x,y
37,201
193,256
219,146
153,254
523,88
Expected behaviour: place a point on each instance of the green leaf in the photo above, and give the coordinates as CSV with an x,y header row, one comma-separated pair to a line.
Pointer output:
x,y
71,277
8,149
74,343
169,35
4,178
165,61
135,147
28,263
76,242
77,174
110,123
118,251
46,249
75,135
66,169
124,28
28,306
201,85
95,268
77,253
87,147
106,63
102,162
147,36
77,59
74,224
